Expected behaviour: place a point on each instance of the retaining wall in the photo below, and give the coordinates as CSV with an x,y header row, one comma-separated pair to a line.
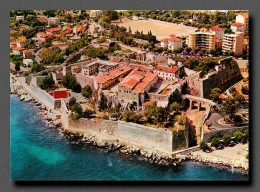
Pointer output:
x,y
158,138
229,131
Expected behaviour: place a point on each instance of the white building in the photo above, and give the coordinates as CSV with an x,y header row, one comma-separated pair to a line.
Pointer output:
x,y
233,42
243,18
237,27
28,62
20,18
53,20
95,13
171,43
219,32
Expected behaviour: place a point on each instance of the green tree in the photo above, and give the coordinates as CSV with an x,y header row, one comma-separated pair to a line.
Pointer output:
x,y
17,66
87,91
88,113
70,82
238,135
103,102
175,107
77,109
215,142
215,94
72,101
246,133
204,145
226,139
46,83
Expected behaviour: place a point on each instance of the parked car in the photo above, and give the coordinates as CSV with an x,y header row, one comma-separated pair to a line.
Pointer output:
x,y
208,150
231,144
243,141
220,146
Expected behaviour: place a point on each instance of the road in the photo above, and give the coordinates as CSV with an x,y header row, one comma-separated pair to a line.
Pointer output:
x,y
37,58
216,117
22,69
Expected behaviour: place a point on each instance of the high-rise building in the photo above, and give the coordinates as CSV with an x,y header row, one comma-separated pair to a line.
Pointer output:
x,y
202,40
243,18
233,42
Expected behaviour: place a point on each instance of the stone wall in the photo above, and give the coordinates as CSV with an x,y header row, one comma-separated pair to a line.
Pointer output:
x,y
158,138
226,76
84,80
229,131
96,126
41,95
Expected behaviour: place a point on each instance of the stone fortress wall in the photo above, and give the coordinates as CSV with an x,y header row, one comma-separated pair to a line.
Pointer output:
x,y
160,139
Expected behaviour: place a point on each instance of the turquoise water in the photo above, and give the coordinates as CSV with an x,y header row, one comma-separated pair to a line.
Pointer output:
x,y
39,152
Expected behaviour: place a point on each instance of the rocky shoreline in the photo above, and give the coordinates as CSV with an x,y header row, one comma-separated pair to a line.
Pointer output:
x,y
151,156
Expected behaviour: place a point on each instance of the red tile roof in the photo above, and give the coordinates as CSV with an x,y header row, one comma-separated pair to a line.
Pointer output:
x,y
216,28
237,24
149,77
104,77
218,40
172,35
60,94
174,39
147,103
39,42
53,29
245,15
18,48
165,40
29,51
167,69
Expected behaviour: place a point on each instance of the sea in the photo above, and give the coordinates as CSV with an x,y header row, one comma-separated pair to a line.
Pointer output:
x,y
42,152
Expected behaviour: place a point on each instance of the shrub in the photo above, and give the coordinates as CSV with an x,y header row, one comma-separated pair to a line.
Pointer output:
x,y
238,135
226,139
72,101
87,91
247,156
203,145
75,116
77,108
215,142
246,133
88,112
46,83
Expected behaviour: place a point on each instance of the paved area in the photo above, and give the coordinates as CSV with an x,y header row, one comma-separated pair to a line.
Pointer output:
x,y
216,117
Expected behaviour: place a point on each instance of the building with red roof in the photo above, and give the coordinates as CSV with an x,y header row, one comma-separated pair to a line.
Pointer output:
x,y
40,34
237,27
53,31
27,54
219,32
20,43
105,80
243,18
169,73
218,43
39,43
18,50
172,43
134,86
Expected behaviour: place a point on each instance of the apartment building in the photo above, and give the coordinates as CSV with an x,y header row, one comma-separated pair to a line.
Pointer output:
x,y
233,42
244,18
202,40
